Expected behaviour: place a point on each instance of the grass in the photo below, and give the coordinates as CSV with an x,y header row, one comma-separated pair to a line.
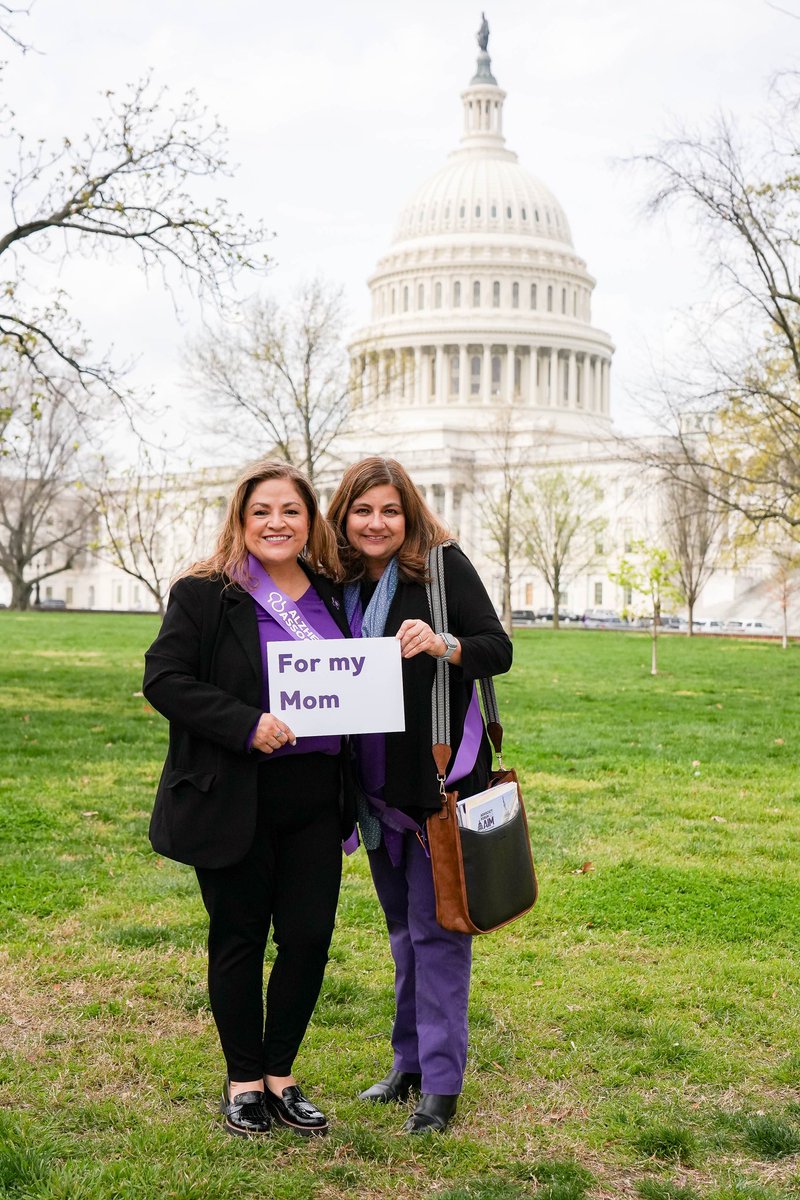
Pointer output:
x,y
636,1036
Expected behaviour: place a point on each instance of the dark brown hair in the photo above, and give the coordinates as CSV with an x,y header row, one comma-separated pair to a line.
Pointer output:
x,y
229,559
423,527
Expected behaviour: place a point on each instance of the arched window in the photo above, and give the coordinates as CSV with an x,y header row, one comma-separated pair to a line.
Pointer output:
x,y
575,303
494,210
475,375
496,294
447,212
394,300
405,299
433,375
462,212
515,295
477,210
550,297
563,300
508,211
455,378
438,296
421,296
524,214
476,294
533,295
456,294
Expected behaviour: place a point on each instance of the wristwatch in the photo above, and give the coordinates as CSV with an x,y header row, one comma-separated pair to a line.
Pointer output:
x,y
451,644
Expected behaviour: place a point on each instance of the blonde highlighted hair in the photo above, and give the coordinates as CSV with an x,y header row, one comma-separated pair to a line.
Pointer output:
x,y
423,527
229,560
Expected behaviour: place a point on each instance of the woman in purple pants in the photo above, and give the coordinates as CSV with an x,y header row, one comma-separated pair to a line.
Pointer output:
x,y
385,531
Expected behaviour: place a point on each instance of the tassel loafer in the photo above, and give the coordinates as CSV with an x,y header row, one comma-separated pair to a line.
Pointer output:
x,y
295,1112
246,1115
395,1086
432,1114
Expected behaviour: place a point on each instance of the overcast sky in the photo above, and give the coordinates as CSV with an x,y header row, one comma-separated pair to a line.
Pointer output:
x,y
337,112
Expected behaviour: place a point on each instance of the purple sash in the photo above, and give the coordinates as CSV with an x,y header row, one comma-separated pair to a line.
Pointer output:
x,y
279,606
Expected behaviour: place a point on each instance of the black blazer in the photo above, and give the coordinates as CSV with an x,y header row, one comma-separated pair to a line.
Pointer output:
x,y
203,673
486,649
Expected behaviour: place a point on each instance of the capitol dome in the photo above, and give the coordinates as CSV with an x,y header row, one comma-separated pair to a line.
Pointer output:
x,y
481,301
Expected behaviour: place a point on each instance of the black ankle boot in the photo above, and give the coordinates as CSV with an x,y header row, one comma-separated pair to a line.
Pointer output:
x,y
395,1086
432,1115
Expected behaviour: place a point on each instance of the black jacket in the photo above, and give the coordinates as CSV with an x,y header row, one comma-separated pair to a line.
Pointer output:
x,y
203,673
485,649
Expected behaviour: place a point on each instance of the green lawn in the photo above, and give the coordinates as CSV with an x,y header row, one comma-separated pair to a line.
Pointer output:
x,y
636,1035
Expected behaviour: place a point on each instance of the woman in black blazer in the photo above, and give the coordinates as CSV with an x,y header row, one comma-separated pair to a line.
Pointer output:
x,y
258,813
385,531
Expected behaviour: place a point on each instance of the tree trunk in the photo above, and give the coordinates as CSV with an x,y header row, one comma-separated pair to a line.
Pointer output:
x,y
690,630
654,652
785,637
20,594
506,614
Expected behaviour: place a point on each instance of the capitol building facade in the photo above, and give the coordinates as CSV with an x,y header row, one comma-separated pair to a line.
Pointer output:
x,y
480,354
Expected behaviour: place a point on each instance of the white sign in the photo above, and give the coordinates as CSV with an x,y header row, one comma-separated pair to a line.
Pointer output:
x,y
337,685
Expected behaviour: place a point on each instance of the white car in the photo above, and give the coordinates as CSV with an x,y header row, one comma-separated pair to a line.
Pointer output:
x,y
758,627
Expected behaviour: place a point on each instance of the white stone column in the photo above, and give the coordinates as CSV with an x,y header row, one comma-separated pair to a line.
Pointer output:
x,y
486,375
585,390
463,375
442,381
572,380
448,505
510,356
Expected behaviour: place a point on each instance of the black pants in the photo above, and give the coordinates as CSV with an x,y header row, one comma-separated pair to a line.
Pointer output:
x,y
290,877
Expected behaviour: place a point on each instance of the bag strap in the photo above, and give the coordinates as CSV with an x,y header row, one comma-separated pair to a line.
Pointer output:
x,y
440,695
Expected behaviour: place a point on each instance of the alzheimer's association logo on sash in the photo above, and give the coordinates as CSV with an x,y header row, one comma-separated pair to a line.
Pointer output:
x,y
279,605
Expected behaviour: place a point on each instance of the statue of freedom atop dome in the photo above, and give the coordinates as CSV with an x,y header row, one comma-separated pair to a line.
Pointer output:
x,y
483,33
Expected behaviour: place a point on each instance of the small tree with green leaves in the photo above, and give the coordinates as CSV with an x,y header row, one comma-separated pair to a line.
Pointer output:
x,y
654,575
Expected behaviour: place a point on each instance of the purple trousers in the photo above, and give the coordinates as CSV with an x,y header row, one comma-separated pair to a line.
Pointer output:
x,y
432,970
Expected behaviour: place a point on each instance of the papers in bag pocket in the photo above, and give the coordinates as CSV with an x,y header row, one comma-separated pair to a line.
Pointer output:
x,y
490,809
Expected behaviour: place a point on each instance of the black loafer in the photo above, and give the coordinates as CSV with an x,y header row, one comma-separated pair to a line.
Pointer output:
x,y
246,1115
432,1115
295,1112
395,1086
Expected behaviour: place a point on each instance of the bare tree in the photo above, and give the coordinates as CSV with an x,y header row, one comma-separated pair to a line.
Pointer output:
x,y
502,504
45,514
150,518
281,374
784,582
737,417
561,527
692,521
128,185
7,14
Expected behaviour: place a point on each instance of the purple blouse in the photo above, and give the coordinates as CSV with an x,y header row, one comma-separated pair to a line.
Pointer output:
x,y
312,609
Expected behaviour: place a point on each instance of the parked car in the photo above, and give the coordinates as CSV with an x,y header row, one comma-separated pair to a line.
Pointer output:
x,y
51,604
603,618
564,615
522,617
708,625
759,627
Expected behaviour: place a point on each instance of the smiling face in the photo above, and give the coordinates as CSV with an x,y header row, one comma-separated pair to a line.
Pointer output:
x,y
276,522
376,527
